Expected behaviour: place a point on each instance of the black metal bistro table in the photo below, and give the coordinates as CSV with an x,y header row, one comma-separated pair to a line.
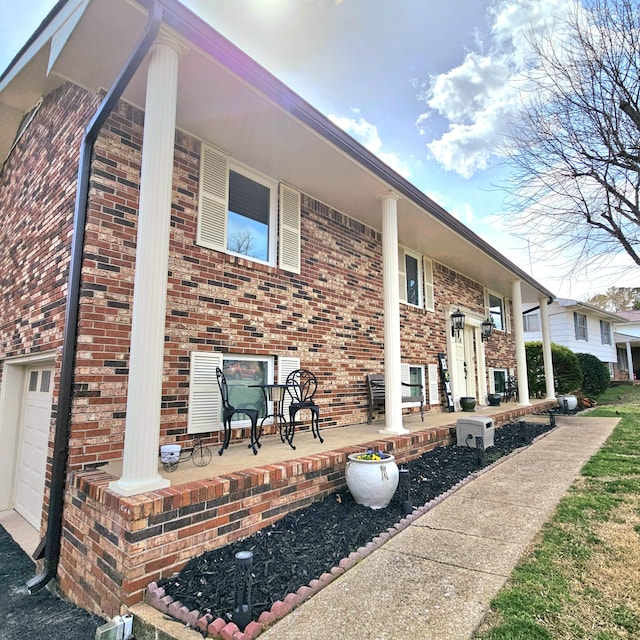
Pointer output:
x,y
275,393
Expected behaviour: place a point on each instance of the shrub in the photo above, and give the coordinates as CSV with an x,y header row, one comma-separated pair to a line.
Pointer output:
x,y
535,369
568,375
566,368
595,372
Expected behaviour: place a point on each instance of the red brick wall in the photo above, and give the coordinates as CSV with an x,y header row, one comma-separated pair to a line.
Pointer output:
x,y
37,196
330,315
113,546
37,202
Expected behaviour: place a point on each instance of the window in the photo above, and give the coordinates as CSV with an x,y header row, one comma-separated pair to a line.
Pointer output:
x,y
623,362
531,321
205,406
241,372
249,216
413,374
239,209
415,279
580,325
605,332
410,275
499,380
496,311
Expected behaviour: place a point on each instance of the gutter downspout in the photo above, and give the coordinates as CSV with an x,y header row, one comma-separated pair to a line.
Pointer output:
x,y
63,417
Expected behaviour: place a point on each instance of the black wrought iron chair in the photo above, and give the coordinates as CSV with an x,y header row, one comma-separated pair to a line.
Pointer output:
x,y
302,386
511,389
228,411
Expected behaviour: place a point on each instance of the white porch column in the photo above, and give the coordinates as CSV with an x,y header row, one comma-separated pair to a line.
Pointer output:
x,y
392,354
521,354
630,361
546,349
142,430
483,390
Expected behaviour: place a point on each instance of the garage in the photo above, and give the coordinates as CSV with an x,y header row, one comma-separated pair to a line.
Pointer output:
x,y
35,421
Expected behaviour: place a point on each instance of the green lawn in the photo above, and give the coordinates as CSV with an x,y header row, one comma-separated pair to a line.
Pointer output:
x,y
581,578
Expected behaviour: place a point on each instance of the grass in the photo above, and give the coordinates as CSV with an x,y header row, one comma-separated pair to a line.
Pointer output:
x,y
579,580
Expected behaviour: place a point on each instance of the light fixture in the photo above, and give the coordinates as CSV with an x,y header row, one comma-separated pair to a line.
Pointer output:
x,y
486,329
457,323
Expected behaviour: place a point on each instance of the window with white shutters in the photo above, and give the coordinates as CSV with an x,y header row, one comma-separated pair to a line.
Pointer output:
x,y
240,212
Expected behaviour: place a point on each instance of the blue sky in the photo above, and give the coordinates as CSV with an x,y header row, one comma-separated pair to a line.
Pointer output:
x,y
425,85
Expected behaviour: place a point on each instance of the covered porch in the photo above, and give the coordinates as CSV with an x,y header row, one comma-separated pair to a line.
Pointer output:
x,y
139,539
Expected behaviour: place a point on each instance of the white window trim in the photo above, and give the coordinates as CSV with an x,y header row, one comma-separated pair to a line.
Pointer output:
x,y
205,403
272,185
576,326
405,376
403,252
506,325
284,243
526,317
492,379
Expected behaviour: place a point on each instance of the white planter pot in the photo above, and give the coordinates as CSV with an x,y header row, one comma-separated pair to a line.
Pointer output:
x,y
572,402
372,483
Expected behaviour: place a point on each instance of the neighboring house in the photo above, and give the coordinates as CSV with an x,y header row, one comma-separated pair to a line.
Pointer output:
x,y
627,339
579,326
167,207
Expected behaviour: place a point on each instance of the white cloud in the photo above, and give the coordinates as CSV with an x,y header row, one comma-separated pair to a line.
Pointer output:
x,y
477,98
367,135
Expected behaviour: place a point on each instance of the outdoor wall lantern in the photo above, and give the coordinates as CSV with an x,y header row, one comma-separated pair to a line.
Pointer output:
x,y
486,329
457,323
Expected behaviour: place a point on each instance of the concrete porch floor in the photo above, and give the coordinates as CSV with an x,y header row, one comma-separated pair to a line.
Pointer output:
x,y
239,457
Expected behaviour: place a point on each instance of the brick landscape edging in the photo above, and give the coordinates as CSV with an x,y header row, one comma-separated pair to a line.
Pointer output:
x,y
156,597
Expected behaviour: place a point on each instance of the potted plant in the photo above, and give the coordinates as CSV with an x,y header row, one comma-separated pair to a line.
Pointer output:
x,y
372,478
494,399
468,403
571,402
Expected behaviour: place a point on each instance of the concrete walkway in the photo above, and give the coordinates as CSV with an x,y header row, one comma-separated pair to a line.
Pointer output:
x,y
435,579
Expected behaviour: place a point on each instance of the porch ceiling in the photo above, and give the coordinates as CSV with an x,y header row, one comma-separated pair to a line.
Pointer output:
x,y
269,128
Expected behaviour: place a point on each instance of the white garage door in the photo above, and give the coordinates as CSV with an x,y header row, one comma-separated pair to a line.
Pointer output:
x,y
34,438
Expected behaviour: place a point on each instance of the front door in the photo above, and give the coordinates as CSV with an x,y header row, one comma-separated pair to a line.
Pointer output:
x,y
463,364
34,440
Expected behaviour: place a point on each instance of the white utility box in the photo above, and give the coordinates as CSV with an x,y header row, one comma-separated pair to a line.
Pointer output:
x,y
468,429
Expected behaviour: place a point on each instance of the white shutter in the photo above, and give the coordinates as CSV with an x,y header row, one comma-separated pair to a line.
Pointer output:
x,y
204,395
405,376
286,364
289,257
213,199
429,297
434,391
402,275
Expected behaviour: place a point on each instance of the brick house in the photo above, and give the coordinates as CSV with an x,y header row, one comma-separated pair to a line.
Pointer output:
x,y
167,207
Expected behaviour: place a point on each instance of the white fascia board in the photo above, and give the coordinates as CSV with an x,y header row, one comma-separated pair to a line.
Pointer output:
x,y
58,31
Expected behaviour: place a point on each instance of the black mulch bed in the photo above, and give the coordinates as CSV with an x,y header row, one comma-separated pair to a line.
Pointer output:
x,y
40,615
309,542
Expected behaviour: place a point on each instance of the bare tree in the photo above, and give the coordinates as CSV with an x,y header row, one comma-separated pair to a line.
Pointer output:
x,y
241,242
576,148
